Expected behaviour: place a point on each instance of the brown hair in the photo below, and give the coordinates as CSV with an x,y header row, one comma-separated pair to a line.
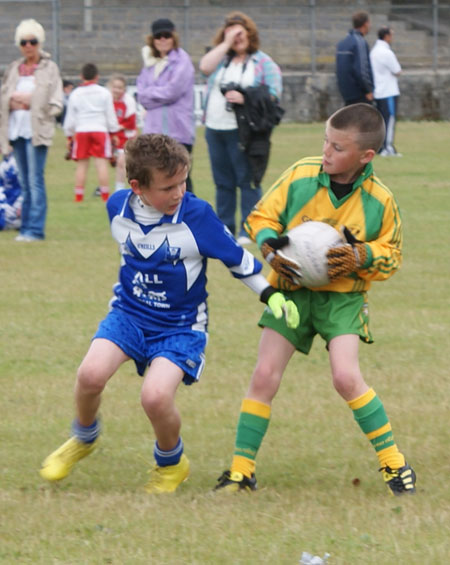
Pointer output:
x,y
234,18
151,43
147,152
89,71
359,19
366,120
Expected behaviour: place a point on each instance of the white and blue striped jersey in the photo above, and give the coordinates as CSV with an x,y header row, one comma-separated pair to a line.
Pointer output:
x,y
162,275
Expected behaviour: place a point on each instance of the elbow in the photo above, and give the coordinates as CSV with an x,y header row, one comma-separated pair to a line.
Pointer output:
x,y
205,69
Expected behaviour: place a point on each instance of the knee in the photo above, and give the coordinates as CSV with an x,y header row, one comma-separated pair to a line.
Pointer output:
x,y
91,378
155,402
347,383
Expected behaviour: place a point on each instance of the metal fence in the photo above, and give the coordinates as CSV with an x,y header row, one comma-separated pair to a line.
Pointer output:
x,y
299,34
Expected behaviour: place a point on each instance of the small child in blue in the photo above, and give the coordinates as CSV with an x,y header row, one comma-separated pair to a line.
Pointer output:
x,y
10,194
158,315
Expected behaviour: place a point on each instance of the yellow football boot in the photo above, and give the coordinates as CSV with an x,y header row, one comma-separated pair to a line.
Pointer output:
x,y
59,463
167,479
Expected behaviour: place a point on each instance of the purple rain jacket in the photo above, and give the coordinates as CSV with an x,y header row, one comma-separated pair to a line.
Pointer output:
x,y
169,99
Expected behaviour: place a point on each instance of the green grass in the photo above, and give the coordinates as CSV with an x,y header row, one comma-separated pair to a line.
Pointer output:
x,y
53,294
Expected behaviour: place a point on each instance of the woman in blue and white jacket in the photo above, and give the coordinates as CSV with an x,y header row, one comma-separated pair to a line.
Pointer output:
x,y
233,64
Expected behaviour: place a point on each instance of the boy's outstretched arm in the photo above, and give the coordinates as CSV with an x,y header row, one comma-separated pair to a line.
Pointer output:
x,y
280,306
274,299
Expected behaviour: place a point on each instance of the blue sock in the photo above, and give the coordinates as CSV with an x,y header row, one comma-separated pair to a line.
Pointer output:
x,y
166,458
86,434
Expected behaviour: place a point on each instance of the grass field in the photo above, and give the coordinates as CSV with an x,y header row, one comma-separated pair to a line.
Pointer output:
x,y
52,296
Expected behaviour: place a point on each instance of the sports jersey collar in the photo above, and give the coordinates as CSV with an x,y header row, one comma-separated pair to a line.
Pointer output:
x,y
177,218
324,178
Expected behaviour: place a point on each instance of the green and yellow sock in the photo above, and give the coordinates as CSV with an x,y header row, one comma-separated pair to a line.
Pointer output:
x,y
252,426
369,412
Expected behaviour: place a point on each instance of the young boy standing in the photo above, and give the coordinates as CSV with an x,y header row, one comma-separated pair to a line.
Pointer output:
x,y
125,108
339,188
159,314
89,121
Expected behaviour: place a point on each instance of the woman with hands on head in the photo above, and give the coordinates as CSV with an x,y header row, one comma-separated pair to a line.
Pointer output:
x,y
232,65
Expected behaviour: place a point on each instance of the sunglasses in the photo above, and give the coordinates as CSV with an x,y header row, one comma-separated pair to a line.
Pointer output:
x,y
33,41
163,34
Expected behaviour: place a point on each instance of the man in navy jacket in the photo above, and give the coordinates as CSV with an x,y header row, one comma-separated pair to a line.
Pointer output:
x,y
353,69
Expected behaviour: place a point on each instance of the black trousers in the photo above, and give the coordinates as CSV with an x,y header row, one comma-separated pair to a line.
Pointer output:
x,y
189,185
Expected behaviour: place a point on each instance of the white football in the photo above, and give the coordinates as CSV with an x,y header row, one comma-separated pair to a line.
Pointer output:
x,y
308,246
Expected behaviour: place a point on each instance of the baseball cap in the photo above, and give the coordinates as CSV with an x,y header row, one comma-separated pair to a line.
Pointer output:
x,y
162,25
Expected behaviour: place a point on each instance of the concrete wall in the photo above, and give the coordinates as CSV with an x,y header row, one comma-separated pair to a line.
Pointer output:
x,y
424,95
119,28
293,32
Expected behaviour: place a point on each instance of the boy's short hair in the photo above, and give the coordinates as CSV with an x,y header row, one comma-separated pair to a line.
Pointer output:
x,y
359,19
147,152
366,120
89,71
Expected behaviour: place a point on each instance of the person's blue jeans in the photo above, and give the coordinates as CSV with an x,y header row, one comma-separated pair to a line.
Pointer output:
x,y
231,169
388,109
31,163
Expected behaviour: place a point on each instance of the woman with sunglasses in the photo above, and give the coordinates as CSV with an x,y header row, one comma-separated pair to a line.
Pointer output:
x,y
165,87
232,65
31,98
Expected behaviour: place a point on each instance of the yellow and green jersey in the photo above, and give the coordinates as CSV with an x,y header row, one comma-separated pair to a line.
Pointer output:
x,y
369,211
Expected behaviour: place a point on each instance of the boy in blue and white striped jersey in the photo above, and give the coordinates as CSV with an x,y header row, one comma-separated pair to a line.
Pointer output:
x,y
158,315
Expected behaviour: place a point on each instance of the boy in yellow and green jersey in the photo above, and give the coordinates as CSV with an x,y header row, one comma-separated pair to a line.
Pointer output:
x,y
341,189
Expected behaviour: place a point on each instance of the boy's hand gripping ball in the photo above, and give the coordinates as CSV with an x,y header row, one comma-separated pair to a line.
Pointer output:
x,y
307,249
346,258
283,265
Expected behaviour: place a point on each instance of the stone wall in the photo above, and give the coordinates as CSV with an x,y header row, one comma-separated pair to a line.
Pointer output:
x,y
294,32
424,95
119,28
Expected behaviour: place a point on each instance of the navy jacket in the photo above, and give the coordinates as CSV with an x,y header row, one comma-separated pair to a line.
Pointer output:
x,y
353,69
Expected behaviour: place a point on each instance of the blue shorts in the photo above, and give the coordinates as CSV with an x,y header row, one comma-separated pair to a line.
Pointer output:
x,y
184,347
